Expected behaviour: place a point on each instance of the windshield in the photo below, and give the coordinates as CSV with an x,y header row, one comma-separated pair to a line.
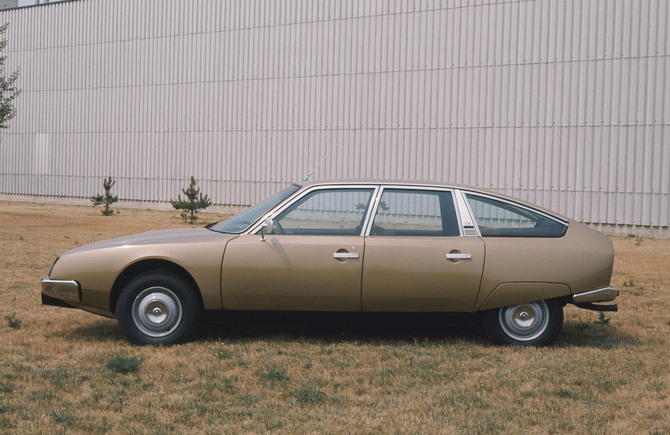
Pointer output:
x,y
243,220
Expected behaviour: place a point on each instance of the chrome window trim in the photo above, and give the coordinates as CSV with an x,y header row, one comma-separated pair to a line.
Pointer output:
x,y
467,217
373,209
373,212
299,194
374,203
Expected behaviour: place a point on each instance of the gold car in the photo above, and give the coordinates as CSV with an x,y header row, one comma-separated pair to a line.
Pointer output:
x,y
349,246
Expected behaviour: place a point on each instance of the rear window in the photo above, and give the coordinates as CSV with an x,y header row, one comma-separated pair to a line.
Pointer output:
x,y
503,219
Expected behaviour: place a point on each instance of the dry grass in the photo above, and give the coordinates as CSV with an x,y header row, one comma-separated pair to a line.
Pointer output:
x,y
600,376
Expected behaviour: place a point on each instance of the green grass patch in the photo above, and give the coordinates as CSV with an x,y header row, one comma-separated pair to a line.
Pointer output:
x,y
309,394
273,374
13,322
121,364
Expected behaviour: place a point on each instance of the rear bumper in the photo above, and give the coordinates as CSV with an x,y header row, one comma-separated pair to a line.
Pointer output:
x,y
600,295
67,291
586,299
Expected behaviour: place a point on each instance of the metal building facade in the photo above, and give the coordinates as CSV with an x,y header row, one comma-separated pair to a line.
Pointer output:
x,y
565,103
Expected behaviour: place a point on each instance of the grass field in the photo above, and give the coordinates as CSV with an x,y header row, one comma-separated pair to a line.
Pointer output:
x,y
69,371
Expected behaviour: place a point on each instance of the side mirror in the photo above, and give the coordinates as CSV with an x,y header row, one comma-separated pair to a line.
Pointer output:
x,y
268,226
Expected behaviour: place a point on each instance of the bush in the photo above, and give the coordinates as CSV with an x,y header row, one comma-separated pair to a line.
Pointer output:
x,y
192,204
107,199
13,322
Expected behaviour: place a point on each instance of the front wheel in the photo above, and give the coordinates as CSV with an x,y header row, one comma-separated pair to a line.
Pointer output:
x,y
528,324
158,308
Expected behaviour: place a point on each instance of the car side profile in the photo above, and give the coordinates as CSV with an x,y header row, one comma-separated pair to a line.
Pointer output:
x,y
349,246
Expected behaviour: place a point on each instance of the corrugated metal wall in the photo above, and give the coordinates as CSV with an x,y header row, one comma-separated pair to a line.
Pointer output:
x,y
565,103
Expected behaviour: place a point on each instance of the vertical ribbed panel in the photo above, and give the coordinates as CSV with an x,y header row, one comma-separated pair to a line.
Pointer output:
x,y
565,103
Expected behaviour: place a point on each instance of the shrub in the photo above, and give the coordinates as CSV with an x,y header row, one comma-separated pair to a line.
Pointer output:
x,y
13,322
107,199
192,204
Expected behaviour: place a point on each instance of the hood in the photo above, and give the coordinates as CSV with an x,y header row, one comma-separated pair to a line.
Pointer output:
x,y
157,237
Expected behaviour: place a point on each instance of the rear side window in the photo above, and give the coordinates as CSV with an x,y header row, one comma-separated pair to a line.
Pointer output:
x,y
502,219
404,212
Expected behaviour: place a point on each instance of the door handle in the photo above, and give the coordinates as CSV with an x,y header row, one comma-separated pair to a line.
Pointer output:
x,y
458,256
345,255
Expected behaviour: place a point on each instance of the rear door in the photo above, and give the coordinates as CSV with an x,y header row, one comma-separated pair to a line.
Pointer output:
x,y
415,256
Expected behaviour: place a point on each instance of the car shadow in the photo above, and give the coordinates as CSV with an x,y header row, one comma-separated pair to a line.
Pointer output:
x,y
342,327
100,330
361,327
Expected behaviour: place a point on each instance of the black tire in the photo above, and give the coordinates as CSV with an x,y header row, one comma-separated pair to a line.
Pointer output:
x,y
158,307
528,324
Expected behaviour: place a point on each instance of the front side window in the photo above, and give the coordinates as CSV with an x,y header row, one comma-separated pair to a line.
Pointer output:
x,y
403,212
326,212
501,219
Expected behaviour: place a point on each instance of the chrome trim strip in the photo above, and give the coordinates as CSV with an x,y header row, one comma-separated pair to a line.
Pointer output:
x,y
63,289
468,224
599,295
372,211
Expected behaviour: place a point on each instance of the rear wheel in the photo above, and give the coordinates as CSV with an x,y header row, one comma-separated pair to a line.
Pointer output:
x,y
158,308
528,324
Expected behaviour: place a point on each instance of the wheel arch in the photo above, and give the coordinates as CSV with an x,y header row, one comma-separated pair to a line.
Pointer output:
x,y
149,265
512,293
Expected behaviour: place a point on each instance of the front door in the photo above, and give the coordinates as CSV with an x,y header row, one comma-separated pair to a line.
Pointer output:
x,y
313,260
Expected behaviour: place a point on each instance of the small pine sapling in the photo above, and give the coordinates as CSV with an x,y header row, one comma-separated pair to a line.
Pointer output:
x,y
107,199
192,204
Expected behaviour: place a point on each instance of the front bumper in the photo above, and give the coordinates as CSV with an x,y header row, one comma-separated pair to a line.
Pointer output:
x,y
587,299
64,290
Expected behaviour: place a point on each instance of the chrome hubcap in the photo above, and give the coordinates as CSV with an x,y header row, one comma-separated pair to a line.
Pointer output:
x,y
525,322
156,311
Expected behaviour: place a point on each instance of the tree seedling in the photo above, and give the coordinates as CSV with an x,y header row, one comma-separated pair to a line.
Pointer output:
x,y
107,199
192,204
